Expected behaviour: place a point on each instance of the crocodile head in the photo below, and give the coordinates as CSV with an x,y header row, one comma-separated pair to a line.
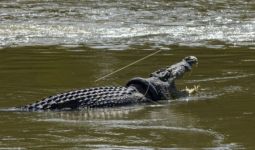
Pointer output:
x,y
161,82
177,70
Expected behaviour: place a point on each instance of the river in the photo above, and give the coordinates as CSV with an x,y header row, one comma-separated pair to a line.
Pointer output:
x,y
51,46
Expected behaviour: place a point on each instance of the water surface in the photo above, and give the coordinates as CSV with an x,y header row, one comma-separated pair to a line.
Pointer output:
x,y
122,24
54,46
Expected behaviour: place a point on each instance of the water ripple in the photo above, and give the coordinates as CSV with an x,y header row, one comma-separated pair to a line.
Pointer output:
x,y
221,78
122,24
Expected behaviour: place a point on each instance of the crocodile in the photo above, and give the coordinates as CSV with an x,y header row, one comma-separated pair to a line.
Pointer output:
x,y
160,85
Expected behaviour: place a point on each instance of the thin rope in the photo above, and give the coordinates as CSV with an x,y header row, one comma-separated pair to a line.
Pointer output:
x,y
147,90
128,65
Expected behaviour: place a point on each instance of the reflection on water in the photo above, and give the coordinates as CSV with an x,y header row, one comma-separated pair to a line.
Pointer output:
x,y
86,115
118,128
120,25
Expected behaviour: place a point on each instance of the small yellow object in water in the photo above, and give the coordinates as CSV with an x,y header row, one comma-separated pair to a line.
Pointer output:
x,y
192,90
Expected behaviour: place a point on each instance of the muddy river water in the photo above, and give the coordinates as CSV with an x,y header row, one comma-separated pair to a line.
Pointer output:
x,y
51,46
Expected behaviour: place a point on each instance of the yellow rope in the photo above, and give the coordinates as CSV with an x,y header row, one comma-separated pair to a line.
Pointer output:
x,y
128,65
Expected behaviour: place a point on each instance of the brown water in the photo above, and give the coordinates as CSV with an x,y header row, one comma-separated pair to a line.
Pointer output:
x,y
221,115
54,46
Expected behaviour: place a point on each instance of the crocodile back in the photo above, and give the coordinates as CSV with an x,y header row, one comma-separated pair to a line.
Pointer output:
x,y
88,98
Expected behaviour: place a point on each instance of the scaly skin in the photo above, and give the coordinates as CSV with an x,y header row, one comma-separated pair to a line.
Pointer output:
x,y
159,86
